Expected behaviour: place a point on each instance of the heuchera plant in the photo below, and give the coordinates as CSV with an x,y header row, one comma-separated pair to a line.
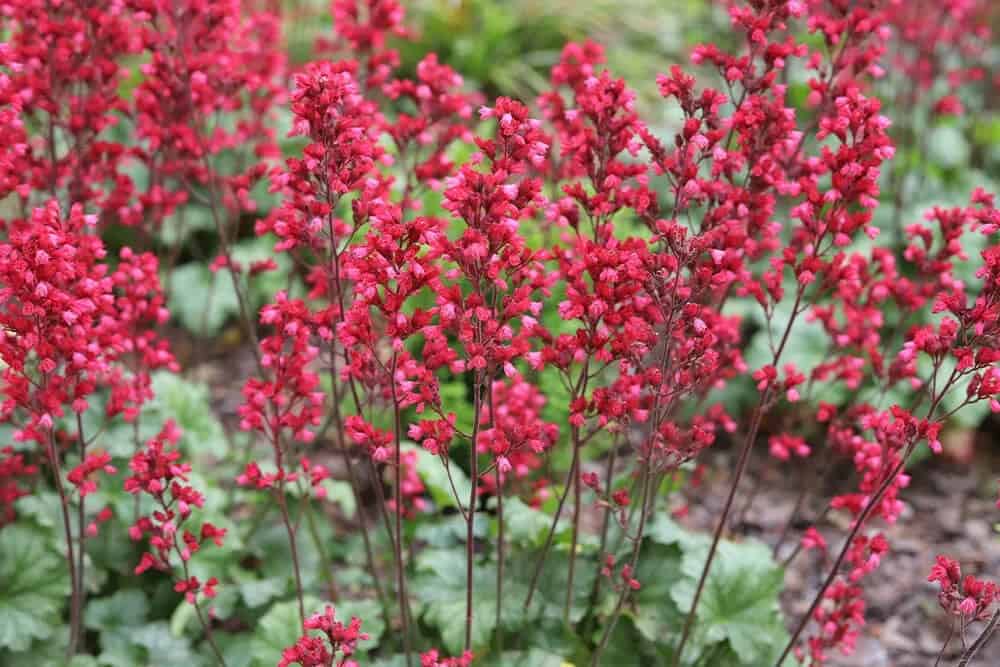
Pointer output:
x,y
526,317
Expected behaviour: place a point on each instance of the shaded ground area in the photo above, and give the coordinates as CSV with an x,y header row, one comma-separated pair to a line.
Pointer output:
x,y
951,509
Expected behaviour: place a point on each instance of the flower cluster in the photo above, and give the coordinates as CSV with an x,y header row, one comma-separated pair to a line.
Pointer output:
x,y
63,79
55,306
13,473
517,437
80,476
340,640
433,658
141,310
204,59
967,597
158,472
288,402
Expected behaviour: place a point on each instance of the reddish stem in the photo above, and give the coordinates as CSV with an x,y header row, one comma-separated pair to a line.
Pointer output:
x,y
81,518
981,641
398,499
470,546
540,564
500,559
283,506
74,609
859,522
636,547
741,467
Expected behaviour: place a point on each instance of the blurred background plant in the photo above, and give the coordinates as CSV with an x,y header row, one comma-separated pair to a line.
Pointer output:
x,y
506,47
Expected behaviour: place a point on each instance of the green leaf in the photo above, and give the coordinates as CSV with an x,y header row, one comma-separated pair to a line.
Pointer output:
x,y
127,638
524,524
550,598
432,471
261,591
34,585
42,507
186,220
60,659
625,648
530,658
447,614
664,530
339,491
189,404
947,146
236,647
83,661
201,300
549,635
447,531
126,608
183,615
50,652
656,617
440,584
739,604
161,645
278,629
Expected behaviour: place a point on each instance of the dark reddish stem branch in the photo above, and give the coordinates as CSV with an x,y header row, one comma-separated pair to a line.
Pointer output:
x,y
874,502
290,529
500,559
981,641
74,609
81,534
470,540
741,467
626,588
540,564
398,500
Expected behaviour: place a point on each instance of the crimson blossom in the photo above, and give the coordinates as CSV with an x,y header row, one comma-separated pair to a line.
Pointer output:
x,y
312,651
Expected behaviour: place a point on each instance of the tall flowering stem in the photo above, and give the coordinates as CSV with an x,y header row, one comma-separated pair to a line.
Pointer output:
x,y
502,275
286,405
593,138
341,126
827,220
158,473
390,265
968,336
367,265
70,330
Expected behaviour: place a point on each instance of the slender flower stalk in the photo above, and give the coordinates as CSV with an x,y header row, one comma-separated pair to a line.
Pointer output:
x,y
981,640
